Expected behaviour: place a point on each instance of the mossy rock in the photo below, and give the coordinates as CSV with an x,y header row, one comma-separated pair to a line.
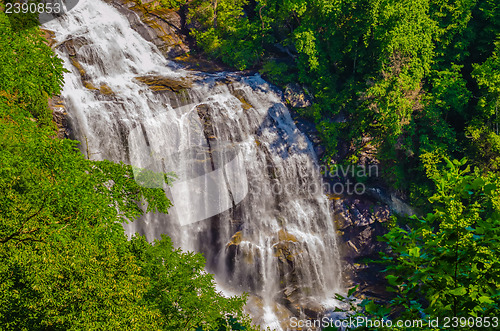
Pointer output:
x,y
235,239
89,85
106,90
159,83
79,67
240,95
285,236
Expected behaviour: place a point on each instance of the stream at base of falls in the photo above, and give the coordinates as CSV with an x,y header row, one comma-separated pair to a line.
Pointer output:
x,y
248,192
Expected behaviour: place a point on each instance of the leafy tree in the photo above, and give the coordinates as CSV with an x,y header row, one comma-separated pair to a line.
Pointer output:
x,y
446,264
180,288
223,31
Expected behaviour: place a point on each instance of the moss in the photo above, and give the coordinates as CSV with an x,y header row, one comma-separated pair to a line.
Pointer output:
x,y
285,236
158,83
89,85
106,90
332,196
78,66
240,96
235,239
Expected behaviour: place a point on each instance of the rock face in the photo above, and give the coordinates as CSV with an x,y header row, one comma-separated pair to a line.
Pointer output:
x,y
296,97
157,83
162,27
59,117
360,220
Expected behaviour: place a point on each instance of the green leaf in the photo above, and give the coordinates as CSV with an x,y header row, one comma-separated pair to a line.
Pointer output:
x,y
391,279
459,291
485,299
352,290
371,307
415,251
490,188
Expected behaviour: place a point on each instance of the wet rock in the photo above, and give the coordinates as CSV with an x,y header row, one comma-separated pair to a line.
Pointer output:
x,y
240,95
360,220
71,46
78,66
162,27
235,239
106,90
313,309
203,111
296,97
397,205
233,250
159,83
59,116
89,85
285,236
285,248
255,307
342,221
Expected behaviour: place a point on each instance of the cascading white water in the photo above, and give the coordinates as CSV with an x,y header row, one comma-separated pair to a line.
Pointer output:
x,y
248,193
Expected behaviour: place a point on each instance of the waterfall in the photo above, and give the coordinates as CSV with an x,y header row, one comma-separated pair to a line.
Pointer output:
x,y
248,192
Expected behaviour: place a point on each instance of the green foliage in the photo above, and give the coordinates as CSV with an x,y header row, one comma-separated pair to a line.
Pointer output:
x,y
487,76
276,72
485,147
180,289
447,263
172,4
29,71
223,31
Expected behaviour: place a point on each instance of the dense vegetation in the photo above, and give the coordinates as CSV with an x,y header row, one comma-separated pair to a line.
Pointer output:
x,y
65,262
418,81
